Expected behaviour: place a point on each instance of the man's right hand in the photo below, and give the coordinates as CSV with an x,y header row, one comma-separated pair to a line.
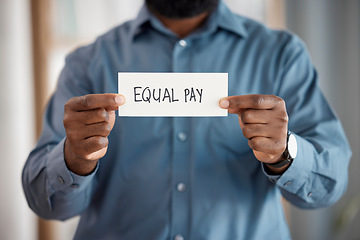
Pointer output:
x,y
88,121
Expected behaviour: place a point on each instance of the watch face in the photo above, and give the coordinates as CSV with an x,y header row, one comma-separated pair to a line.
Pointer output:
x,y
292,146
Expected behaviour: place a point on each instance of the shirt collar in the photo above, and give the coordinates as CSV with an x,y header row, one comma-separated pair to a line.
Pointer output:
x,y
142,18
222,17
228,20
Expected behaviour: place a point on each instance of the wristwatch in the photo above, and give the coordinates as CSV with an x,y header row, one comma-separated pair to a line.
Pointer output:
x,y
289,153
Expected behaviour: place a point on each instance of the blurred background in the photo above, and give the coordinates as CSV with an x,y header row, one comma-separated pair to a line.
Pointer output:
x,y
36,35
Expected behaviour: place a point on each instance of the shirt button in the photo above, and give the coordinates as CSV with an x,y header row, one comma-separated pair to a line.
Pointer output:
x,y
309,194
181,187
61,180
182,136
75,185
179,237
287,183
182,43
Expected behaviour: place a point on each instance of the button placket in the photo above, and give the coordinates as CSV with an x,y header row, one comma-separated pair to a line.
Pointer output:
x,y
181,187
182,43
178,237
181,175
182,136
180,210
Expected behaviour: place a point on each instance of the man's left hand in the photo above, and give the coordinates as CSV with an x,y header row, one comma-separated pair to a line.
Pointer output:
x,y
264,122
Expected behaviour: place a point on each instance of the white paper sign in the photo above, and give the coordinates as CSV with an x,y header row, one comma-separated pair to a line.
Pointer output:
x,y
173,94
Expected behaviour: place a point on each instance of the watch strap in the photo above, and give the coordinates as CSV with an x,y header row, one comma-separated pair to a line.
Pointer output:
x,y
287,161
280,164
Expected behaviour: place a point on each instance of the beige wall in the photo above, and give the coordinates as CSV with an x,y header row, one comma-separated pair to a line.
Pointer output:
x,y
17,118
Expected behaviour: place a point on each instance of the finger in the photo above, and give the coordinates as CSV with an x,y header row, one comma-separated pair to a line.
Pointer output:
x,y
92,148
108,101
256,130
78,133
254,101
267,157
87,117
101,129
236,111
267,145
111,118
241,123
256,116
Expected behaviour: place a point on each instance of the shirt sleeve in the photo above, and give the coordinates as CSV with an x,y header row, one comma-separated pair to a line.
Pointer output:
x,y
52,191
318,175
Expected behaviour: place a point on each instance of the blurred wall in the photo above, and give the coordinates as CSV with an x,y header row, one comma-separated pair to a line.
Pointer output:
x,y
17,118
331,30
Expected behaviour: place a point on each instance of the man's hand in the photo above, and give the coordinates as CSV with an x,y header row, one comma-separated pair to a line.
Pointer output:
x,y
88,121
264,122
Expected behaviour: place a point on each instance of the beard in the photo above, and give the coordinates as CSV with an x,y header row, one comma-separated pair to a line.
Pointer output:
x,y
179,9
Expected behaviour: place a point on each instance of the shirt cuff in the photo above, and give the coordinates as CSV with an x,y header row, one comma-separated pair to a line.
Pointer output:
x,y
299,172
60,177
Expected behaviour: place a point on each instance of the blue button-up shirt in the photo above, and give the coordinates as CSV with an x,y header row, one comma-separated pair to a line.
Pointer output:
x,y
181,177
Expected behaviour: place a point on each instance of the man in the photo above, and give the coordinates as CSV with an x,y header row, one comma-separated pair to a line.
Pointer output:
x,y
188,178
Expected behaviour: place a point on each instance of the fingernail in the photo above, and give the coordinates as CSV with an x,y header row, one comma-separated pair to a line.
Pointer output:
x,y
224,103
119,99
